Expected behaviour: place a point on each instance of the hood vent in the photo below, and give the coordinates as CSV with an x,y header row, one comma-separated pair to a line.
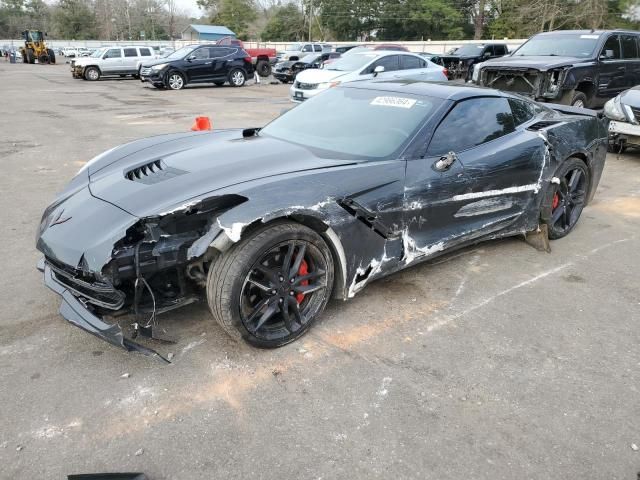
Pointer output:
x,y
153,172
542,124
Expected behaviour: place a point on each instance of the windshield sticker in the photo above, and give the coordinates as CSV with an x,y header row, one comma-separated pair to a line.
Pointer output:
x,y
595,37
399,102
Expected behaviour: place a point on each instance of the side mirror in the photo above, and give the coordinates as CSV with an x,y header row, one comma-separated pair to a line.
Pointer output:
x,y
486,54
608,54
377,70
190,58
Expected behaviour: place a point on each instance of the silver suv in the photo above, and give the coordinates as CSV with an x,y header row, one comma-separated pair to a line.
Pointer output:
x,y
108,61
301,49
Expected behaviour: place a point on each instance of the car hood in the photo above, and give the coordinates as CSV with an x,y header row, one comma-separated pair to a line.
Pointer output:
x,y
157,61
319,75
542,63
193,164
631,97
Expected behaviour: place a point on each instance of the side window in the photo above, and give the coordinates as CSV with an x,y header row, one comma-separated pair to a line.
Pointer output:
x,y
113,53
201,54
611,49
307,48
488,51
499,49
472,122
220,52
522,111
629,46
130,52
408,62
317,48
390,63
144,52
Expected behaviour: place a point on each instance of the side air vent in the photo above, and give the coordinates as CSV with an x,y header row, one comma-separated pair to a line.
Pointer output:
x,y
152,172
542,124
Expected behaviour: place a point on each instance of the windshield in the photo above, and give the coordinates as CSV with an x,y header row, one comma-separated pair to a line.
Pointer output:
x,y
469,50
351,62
98,53
561,45
181,53
354,123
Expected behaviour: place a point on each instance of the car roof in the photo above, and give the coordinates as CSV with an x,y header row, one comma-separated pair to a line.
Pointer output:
x,y
443,90
584,32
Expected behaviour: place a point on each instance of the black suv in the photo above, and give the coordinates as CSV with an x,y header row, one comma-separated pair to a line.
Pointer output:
x,y
460,63
199,64
582,68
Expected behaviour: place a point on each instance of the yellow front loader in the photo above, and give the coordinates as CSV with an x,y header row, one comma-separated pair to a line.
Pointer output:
x,y
35,48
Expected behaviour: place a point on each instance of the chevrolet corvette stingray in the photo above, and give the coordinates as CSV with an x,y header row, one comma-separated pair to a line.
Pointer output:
x,y
267,224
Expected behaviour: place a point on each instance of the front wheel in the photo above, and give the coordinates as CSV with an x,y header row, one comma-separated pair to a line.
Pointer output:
x,y
237,78
568,197
579,99
175,81
272,286
92,74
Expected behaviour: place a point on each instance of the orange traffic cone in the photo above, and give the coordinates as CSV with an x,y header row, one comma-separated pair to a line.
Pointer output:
x,y
201,123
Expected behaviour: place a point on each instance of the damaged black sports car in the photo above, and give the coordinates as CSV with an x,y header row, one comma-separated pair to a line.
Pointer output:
x,y
268,223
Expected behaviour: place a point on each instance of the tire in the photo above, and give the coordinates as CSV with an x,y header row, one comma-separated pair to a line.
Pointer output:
x,y
43,59
579,99
263,67
219,84
30,56
251,299
92,74
237,77
566,200
52,56
174,81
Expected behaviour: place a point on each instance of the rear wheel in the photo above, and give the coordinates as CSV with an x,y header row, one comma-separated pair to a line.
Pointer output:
x,y
30,56
263,67
92,74
270,288
237,78
175,81
568,197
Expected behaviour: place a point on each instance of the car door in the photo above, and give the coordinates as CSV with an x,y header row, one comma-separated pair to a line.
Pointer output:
x,y
111,61
413,66
198,65
130,59
221,61
631,57
612,68
391,64
479,174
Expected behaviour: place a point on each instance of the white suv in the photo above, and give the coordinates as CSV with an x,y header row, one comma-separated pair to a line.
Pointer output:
x,y
107,61
302,49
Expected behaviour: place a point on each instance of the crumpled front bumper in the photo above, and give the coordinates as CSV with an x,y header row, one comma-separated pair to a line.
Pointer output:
x,y
75,312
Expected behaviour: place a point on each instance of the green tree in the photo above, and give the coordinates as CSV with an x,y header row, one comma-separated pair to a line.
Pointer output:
x,y
233,14
74,19
286,23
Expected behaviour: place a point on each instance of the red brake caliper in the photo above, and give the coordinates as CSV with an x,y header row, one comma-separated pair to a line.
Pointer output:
x,y
303,270
556,201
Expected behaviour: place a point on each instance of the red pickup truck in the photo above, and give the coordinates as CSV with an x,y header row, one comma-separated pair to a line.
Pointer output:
x,y
262,58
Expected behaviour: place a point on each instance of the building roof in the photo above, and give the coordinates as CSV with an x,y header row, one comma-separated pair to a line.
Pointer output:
x,y
216,29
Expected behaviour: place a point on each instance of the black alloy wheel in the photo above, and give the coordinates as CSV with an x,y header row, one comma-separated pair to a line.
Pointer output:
x,y
568,198
271,287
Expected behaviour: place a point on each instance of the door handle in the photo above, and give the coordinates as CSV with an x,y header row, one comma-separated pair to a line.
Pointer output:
x,y
445,162
621,68
207,63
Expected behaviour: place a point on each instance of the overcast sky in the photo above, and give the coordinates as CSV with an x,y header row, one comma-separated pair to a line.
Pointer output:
x,y
190,7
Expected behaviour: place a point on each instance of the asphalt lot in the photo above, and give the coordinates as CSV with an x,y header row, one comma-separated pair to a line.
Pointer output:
x,y
496,362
